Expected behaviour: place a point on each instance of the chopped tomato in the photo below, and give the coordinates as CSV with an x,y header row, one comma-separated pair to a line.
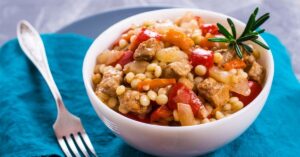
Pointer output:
x,y
137,118
155,83
209,28
179,39
203,57
126,58
235,64
144,35
255,90
181,94
161,115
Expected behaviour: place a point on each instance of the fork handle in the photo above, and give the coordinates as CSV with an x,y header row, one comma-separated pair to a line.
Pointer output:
x,y
32,45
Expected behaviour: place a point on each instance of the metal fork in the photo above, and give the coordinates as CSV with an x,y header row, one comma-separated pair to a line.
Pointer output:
x,y
67,127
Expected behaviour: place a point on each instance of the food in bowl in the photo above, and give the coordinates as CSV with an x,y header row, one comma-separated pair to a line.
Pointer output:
x,y
177,141
181,72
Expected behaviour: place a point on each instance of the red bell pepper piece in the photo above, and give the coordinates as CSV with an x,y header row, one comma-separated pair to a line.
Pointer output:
x,y
126,58
203,57
161,115
144,35
181,94
209,28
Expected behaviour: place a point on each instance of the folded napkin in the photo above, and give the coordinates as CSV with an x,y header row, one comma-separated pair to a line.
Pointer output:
x,y
27,109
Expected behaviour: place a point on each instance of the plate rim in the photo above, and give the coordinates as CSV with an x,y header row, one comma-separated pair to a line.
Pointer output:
x,y
62,29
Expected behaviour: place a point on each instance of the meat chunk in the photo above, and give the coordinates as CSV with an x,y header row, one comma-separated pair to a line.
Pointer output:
x,y
177,69
180,68
215,92
256,72
110,81
136,67
169,73
129,102
227,54
249,59
147,50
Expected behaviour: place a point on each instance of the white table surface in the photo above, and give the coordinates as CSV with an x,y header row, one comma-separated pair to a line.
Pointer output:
x,y
51,15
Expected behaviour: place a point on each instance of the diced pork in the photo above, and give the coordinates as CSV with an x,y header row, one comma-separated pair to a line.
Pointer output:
x,y
256,72
129,102
110,81
180,68
177,69
136,67
147,50
227,54
169,73
216,92
249,59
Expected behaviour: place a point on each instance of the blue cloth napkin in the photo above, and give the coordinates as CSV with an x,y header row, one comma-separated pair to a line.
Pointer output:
x,y
27,109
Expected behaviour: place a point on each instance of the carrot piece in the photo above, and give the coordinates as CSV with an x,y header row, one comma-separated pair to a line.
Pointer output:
x,y
155,83
235,64
179,39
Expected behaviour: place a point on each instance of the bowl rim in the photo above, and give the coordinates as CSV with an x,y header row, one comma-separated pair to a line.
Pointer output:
x,y
267,83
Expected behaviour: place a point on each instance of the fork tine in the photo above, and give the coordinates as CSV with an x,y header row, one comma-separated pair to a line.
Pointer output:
x,y
64,147
81,145
72,146
88,143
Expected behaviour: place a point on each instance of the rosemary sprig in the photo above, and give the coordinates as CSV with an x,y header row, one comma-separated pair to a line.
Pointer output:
x,y
250,33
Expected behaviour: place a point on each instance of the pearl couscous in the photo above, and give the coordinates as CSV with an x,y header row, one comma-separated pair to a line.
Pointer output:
x,y
168,73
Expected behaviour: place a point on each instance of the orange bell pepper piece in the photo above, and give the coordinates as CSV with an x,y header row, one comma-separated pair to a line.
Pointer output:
x,y
179,39
235,64
204,43
155,83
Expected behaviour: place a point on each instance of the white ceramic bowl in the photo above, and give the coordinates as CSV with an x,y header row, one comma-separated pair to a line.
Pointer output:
x,y
174,141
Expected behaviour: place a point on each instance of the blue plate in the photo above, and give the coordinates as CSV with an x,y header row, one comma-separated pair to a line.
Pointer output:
x,y
92,26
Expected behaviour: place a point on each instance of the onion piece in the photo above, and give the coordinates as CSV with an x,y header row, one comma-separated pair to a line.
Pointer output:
x,y
185,114
109,57
220,75
236,82
241,86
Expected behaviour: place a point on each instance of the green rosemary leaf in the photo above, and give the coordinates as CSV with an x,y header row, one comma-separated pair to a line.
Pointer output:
x,y
261,44
224,40
260,31
238,50
231,24
247,48
260,21
249,24
250,33
224,31
247,37
255,11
